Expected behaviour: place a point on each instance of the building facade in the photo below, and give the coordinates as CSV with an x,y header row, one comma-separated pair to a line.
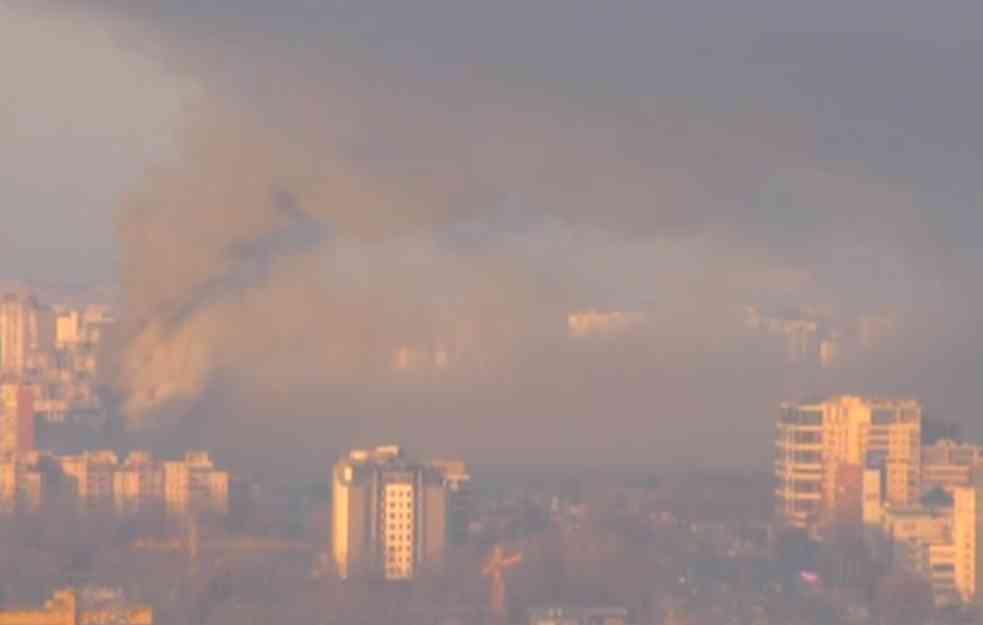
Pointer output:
x,y
92,473
823,450
578,615
19,332
389,515
141,484
460,500
17,431
948,464
938,543
22,483
89,606
195,485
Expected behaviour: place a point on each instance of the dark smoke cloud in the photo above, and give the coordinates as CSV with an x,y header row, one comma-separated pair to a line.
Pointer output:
x,y
381,218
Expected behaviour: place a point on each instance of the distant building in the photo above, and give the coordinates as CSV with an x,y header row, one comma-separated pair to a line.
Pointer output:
x,y
19,332
948,464
68,328
22,482
829,351
460,501
138,484
593,323
572,615
939,543
89,606
93,473
56,351
195,485
389,515
192,485
873,498
824,448
17,432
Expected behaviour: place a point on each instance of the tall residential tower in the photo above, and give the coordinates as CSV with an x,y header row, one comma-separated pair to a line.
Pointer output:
x,y
823,450
389,515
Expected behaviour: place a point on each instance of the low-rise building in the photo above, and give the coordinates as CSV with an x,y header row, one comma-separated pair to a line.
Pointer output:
x,y
140,484
92,472
948,464
88,606
577,615
460,501
195,485
938,543
22,482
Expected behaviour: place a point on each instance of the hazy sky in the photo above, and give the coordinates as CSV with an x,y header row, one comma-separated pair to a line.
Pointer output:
x,y
524,158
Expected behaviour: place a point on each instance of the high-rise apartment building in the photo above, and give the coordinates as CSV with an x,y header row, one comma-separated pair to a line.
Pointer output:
x,y
18,332
17,433
965,522
389,515
824,448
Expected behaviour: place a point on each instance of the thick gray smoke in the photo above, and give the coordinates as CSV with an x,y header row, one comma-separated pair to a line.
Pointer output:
x,y
380,220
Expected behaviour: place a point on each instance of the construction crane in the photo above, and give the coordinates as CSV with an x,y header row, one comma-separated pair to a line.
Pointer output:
x,y
495,568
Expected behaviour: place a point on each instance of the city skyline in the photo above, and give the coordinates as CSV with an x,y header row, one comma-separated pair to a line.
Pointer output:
x,y
491,312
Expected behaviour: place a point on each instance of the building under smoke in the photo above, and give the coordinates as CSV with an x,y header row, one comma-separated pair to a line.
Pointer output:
x,y
390,515
91,604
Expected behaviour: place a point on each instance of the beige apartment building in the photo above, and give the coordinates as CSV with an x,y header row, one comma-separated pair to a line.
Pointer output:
x,y
948,464
19,332
92,473
195,485
17,431
140,484
939,543
389,515
88,606
22,482
823,450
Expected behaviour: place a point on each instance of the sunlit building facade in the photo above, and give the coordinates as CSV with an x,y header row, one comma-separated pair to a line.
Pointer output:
x,y
195,485
823,450
19,332
389,515
92,473
88,606
948,464
938,543
22,483
17,427
143,483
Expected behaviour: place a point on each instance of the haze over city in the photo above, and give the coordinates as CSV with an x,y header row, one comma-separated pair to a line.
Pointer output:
x,y
550,241
294,191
